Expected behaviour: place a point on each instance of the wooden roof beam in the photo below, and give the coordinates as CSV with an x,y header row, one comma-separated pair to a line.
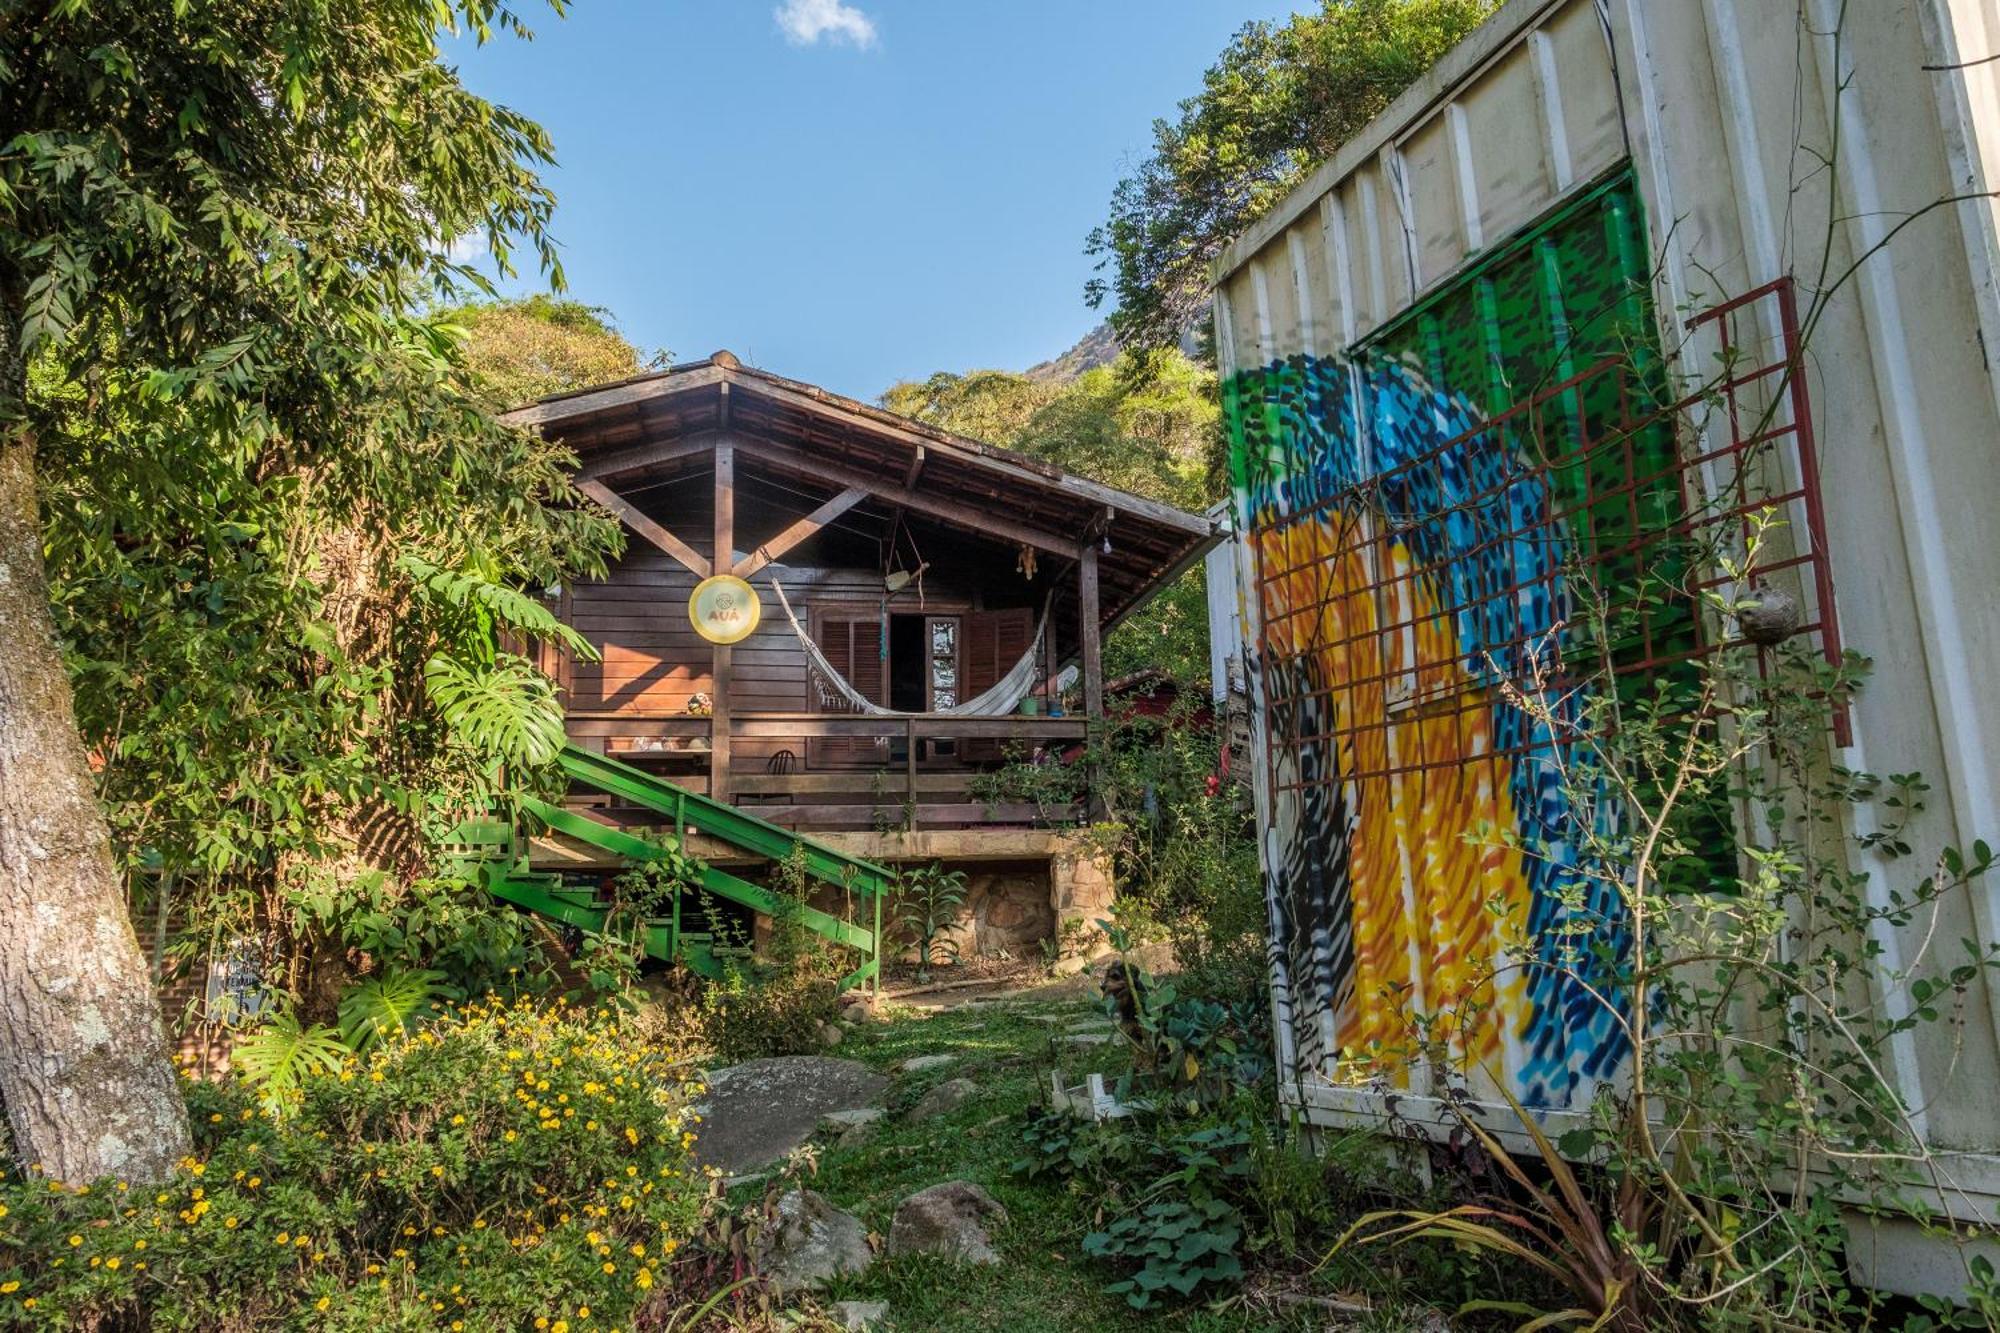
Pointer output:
x,y
948,511
646,527
799,531
647,455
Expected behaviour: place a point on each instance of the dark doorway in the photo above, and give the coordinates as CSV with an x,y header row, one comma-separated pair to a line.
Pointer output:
x,y
907,692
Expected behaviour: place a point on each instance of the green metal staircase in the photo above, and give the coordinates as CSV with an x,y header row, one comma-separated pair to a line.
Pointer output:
x,y
495,853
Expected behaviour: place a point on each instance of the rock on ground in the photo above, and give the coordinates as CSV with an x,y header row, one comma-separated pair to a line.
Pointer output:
x,y
859,1315
755,1113
948,1219
917,1064
811,1242
850,1129
946,1097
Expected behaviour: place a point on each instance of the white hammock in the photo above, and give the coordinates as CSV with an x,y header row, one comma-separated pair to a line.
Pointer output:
x,y
1003,698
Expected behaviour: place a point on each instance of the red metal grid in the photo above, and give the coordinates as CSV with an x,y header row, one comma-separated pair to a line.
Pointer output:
x,y
1729,440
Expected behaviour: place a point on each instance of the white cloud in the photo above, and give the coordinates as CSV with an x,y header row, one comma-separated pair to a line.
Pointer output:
x,y
804,22
469,248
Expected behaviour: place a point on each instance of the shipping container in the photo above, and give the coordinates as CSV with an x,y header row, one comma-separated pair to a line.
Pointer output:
x,y
1613,272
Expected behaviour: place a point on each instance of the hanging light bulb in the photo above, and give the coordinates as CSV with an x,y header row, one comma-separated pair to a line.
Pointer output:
x,y
1107,543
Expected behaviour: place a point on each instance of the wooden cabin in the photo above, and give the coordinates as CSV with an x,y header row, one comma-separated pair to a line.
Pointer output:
x,y
924,567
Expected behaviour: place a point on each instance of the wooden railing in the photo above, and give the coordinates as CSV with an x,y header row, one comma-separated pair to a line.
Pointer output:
x,y
906,790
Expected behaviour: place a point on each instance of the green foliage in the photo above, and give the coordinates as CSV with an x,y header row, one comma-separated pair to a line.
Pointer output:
x,y
505,710
274,498
280,1055
1160,437
746,1016
1179,1245
499,1166
781,1002
1199,1050
386,1006
441,924
1169,633
1562,1233
1047,783
929,899
532,348
1278,102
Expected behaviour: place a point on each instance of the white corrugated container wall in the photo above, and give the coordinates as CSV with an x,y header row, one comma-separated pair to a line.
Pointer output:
x,y
1713,111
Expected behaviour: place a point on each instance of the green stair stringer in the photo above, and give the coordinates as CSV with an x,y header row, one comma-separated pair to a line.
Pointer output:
x,y
723,822
543,894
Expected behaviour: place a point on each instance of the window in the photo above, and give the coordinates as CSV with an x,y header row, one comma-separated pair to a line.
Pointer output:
x,y
943,664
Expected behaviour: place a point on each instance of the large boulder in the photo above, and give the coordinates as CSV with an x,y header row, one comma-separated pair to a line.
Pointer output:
x,y
810,1242
949,1219
755,1113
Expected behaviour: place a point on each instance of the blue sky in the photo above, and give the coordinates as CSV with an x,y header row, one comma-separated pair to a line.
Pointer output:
x,y
848,193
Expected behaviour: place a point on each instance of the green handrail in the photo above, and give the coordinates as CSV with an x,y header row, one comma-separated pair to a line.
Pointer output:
x,y
724,822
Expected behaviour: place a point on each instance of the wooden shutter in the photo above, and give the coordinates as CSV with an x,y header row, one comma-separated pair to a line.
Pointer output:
x,y
854,649
993,642
990,643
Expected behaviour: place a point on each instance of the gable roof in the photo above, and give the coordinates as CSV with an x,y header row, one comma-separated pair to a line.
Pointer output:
x,y
802,431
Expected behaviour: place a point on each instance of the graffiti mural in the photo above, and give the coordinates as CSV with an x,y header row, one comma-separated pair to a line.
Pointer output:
x,y
1429,520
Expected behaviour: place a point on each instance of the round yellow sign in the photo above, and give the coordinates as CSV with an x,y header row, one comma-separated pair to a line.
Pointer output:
x,y
724,609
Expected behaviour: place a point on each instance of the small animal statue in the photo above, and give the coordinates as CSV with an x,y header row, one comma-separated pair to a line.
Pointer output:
x,y
1125,988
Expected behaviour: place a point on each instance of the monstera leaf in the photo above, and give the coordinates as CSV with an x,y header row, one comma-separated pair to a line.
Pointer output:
x,y
281,1055
508,710
385,1006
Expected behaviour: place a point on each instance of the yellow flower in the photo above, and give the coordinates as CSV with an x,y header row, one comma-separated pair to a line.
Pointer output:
x,y
229,1222
3,1207
560,1326
644,1281
610,1267
76,1240
112,1262
322,1302
583,1312
9,1288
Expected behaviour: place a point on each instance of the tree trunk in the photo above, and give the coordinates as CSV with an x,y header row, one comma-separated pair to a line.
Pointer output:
x,y
84,1066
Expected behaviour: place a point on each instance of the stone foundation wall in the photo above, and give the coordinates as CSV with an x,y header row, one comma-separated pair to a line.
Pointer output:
x,y
1007,911
1057,889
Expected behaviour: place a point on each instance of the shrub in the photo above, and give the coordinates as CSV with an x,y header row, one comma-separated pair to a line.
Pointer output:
x,y
500,1167
744,1017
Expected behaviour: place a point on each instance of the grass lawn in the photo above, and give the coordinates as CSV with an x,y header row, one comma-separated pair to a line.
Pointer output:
x,y
1046,1282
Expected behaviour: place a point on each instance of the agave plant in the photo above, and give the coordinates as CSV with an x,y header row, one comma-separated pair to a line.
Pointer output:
x,y
1559,1232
